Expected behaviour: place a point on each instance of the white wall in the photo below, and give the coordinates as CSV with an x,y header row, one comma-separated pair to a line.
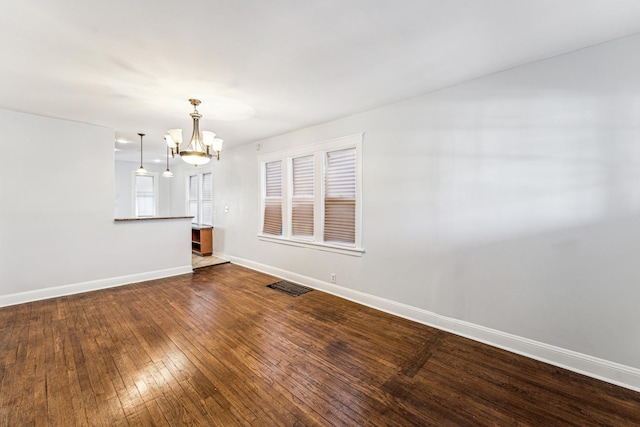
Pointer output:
x,y
179,186
124,204
511,202
61,238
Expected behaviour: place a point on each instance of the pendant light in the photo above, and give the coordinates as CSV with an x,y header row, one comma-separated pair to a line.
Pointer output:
x,y
167,173
141,170
198,152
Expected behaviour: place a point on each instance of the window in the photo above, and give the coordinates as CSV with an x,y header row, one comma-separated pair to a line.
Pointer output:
x,y
200,198
311,196
340,196
302,197
272,221
193,199
207,198
145,196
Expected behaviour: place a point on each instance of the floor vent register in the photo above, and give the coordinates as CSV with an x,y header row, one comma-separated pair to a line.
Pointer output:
x,y
289,288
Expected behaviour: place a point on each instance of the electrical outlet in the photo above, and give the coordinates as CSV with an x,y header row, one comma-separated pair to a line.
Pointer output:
x,y
333,277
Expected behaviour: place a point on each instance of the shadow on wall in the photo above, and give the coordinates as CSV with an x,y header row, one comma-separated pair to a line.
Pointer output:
x,y
575,287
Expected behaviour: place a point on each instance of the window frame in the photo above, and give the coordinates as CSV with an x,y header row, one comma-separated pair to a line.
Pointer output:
x,y
318,151
198,218
202,200
134,194
293,197
266,198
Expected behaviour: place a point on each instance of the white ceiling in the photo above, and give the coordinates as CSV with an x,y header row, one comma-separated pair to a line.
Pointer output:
x,y
262,68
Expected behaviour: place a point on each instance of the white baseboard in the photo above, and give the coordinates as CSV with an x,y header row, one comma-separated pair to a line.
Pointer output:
x,y
220,255
611,372
92,285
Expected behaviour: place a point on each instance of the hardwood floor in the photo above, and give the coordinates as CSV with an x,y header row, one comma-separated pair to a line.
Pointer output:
x,y
219,348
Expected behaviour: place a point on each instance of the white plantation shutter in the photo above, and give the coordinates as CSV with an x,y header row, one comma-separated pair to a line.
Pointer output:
x,y
311,196
145,196
273,198
302,198
207,198
193,198
340,197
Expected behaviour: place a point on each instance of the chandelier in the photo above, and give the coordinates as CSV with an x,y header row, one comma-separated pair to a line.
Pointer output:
x,y
198,152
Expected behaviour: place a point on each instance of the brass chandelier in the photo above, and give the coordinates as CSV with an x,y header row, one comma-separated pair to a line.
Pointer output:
x,y
201,145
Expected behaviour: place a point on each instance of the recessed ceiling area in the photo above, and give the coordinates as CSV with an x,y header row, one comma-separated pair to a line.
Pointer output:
x,y
265,68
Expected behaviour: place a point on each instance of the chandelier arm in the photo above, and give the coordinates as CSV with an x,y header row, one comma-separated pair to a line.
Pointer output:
x,y
195,143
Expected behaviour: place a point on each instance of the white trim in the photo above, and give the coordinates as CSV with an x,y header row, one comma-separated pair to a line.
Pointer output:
x,y
319,151
611,372
199,198
219,255
93,285
156,194
312,245
197,218
301,150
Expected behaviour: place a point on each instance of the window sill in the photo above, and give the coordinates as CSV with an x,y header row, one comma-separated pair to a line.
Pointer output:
x,y
313,245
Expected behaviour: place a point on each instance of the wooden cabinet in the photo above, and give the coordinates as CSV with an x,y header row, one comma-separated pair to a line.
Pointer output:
x,y
202,240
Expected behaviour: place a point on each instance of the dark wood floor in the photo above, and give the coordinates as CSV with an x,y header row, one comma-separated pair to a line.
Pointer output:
x,y
218,348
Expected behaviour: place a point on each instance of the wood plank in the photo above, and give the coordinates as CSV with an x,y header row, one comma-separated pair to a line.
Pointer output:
x,y
219,348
